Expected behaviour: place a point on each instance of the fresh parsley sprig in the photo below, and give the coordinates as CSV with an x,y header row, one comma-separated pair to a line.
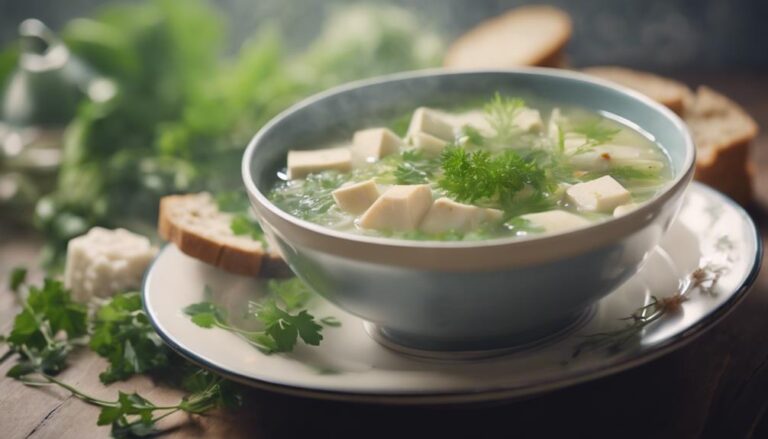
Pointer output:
x,y
281,318
501,112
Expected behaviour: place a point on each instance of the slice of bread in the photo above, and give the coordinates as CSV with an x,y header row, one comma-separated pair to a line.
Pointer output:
x,y
194,223
668,92
722,132
524,36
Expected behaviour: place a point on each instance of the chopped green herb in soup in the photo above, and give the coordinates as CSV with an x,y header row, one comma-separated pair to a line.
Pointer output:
x,y
506,169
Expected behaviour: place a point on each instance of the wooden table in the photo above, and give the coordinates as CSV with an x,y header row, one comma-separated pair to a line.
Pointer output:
x,y
715,387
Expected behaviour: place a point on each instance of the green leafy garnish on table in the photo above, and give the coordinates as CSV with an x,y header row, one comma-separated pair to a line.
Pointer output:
x,y
17,278
281,318
122,334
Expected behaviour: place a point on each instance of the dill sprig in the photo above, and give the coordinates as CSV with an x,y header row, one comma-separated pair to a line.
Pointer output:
x,y
478,175
501,112
704,279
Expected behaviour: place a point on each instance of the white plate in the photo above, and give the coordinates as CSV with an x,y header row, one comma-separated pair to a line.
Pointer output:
x,y
350,365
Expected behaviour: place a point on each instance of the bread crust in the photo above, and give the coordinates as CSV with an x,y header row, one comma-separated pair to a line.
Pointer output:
x,y
462,53
253,261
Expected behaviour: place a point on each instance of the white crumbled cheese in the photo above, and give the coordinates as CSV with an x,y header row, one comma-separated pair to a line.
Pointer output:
x,y
356,198
600,195
555,221
528,119
428,144
375,143
400,208
429,121
447,215
625,209
104,262
302,163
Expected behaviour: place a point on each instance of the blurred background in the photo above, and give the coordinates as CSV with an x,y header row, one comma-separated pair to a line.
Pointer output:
x,y
107,106
663,35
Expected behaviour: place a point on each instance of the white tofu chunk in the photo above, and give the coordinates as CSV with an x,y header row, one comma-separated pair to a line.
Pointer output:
x,y
429,121
475,119
430,145
375,143
302,163
400,208
555,221
600,195
528,119
104,262
447,215
625,209
356,198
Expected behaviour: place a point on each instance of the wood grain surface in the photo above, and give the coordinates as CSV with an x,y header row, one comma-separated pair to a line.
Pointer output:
x,y
715,387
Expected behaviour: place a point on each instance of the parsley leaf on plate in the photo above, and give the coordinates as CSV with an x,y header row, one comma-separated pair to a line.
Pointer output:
x,y
17,279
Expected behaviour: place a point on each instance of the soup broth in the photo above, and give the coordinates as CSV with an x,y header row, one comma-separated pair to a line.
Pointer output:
x,y
507,168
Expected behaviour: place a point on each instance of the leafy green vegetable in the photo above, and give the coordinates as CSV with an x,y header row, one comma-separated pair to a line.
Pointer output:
x,y
17,278
596,133
132,415
123,335
478,175
501,112
415,168
280,316
473,135
46,330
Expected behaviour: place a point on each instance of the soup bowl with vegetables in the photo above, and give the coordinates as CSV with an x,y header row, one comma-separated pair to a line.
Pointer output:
x,y
467,211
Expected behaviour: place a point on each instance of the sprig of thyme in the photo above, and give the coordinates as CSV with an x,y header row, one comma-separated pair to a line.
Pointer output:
x,y
704,279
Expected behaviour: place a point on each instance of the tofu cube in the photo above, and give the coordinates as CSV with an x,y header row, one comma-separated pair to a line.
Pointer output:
x,y
104,262
429,121
356,198
400,208
375,143
303,163
600,195
475,119
625,209
430,145
528,119
447,215
555,221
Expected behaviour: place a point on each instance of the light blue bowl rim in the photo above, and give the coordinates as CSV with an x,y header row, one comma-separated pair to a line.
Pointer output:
x,y
682,177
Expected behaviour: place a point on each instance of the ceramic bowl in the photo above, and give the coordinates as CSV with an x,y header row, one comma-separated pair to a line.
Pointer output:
x,y
464,296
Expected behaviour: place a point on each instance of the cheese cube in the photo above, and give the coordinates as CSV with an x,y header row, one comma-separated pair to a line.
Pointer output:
x,y
528,119
429,121
447,215
356,198
430,145
104,262
302,163
599,195
555,221
400,208
375,143
625,209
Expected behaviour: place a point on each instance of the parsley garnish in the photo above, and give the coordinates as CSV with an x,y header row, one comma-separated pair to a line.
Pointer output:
x,y
17,278
595,134
280,316
123,335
